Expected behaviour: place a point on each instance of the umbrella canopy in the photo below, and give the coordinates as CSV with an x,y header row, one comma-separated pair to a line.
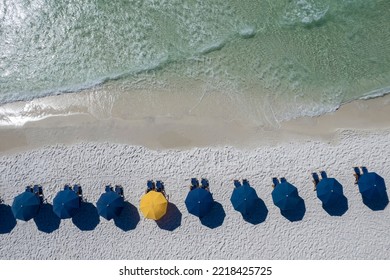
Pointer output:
x,y
370,184
66,203
244,199
110,205
329,190
199,202
26,206
153,205
285,196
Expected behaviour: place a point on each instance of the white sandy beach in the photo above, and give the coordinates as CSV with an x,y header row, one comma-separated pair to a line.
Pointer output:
x,y
30,156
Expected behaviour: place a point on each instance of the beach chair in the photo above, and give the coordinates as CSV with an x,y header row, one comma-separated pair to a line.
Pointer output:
x,y
78,190
323,175
316,179
283,180
29,189
108,188
357,174
364,169
194,183
205,184
237,183
67,187
245,183
275,182
119,190
37,189
160,186
150,186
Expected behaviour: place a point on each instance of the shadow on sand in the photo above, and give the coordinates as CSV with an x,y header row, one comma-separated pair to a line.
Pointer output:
x,y
7,219
215,217
378,202
259,213
87,217
337,208
129,217
46,220
296,214
172,219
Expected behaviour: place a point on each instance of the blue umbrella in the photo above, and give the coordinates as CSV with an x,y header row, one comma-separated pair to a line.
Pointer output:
x,y
370,184
26,206
110,205
66,203
244,199
329,190
285,196
199,202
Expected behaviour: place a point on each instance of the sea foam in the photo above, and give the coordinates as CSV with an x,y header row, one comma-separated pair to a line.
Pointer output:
x,y
305,12
298,54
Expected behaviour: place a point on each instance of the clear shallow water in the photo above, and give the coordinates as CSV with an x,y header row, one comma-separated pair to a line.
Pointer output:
x,y
297,57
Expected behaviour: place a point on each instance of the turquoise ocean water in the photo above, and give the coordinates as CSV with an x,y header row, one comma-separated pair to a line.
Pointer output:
x,y
309,55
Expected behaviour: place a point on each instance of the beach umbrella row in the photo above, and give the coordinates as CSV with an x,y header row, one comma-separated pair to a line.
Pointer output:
x,y
199,200
154,203
330,191
67,202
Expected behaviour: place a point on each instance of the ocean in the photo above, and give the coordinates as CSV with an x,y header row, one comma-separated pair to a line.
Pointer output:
x,y
289,57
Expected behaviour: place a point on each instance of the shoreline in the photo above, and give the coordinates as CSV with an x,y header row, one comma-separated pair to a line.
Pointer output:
x,y
182,129
362,114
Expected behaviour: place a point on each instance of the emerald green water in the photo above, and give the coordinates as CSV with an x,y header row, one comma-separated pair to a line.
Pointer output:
x,y
302,57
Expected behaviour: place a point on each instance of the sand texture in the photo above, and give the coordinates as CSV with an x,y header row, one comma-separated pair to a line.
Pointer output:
x,y
357,231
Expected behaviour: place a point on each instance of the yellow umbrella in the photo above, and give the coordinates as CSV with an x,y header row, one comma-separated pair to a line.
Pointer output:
x,y
153,205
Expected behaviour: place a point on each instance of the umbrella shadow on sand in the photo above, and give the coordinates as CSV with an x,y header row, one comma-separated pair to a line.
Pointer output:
x,y
7,219
172,219
259,213
129,217
46,220
215,217
378,202
297,213
338,208
87,217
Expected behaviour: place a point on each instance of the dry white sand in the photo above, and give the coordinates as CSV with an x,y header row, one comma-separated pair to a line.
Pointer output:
x,y
359,233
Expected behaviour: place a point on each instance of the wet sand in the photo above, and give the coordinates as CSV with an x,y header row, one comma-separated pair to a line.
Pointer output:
x,y
136,121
